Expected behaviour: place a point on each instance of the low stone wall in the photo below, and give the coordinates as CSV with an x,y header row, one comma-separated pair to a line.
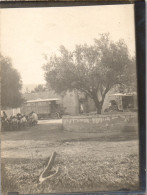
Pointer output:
x,y
123,122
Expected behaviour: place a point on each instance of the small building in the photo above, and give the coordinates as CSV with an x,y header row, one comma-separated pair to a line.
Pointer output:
x,y
69,100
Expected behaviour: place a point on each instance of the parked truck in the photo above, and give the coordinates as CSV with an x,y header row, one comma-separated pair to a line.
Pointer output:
x,y
122,102
45,108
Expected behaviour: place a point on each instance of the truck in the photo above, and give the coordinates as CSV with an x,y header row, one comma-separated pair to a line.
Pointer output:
x,y
44,108
122,102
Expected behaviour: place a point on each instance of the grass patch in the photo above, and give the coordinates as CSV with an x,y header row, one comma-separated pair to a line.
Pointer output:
x,y
86,161
85,173
8,183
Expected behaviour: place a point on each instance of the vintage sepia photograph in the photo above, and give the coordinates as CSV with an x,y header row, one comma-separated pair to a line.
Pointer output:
x,y
69,101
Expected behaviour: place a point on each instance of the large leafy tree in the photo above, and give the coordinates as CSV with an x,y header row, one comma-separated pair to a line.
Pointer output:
x,y
93,69
11,84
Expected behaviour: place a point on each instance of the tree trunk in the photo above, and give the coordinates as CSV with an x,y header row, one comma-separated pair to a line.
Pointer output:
x,y
98,105
99,109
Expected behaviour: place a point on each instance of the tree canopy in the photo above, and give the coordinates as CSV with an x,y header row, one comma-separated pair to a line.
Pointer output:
x,y
93,69
39,88
11,84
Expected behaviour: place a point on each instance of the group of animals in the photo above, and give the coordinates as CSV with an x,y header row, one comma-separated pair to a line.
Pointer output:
x,y
18,121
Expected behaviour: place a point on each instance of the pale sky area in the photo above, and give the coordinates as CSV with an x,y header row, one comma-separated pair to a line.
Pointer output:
x,y
28,33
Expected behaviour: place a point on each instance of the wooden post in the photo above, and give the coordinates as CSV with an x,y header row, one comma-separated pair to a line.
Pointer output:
x,y
48,167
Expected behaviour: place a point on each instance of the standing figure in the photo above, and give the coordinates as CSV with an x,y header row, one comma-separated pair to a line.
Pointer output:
x,y
81,108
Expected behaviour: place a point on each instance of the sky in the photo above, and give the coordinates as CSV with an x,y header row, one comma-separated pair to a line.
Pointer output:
x,y
28,33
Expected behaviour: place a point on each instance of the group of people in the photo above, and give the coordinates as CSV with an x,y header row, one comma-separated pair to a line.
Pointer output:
x,y
18,121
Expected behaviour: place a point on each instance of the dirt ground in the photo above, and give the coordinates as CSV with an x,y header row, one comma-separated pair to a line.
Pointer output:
x,y
86,161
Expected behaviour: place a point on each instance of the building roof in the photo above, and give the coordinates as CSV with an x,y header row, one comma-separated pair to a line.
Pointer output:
x,y
43,100
124,94
41,95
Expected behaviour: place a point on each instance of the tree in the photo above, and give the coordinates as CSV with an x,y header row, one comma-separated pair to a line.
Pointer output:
x,y
93,69
11,84
39,88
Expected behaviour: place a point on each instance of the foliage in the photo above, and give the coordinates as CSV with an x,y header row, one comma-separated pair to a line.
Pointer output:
x,y
93,69
11,84
39,88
